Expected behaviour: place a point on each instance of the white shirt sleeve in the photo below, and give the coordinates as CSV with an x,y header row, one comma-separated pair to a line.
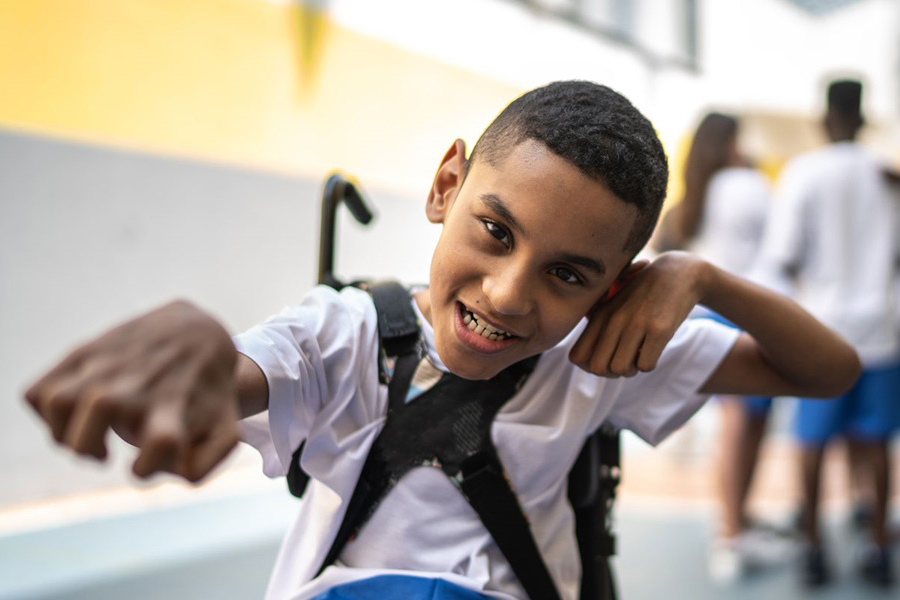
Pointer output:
x,y
319,359
655,404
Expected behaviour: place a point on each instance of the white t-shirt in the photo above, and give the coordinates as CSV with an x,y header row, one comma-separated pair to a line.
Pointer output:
x,y
833,222
734,218
319,358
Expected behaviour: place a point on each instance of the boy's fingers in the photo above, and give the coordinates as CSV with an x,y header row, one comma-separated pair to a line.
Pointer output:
x,y
163,440
624,361
59,396
161,455
55,404
659,329
92,416
100,396
599,362
579,352
62,371
583,348
651,350
212,450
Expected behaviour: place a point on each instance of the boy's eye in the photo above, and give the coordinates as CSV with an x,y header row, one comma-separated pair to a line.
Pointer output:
x,y
497,232
566,274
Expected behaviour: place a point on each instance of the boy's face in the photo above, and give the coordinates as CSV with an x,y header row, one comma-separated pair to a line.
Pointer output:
x,y
528,247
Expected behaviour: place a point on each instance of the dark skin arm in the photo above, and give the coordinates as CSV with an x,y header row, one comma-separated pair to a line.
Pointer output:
x,y
784,350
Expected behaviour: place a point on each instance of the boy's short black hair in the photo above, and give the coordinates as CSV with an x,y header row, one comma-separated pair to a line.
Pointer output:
x,y
596,129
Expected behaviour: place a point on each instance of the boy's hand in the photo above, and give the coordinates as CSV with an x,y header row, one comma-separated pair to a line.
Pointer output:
x,y
626,333
163,381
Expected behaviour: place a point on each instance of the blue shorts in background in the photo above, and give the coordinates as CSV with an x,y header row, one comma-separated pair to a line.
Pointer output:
x,y
870,411
755,406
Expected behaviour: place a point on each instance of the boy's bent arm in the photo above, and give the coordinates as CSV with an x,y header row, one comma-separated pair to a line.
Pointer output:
x,y
784,350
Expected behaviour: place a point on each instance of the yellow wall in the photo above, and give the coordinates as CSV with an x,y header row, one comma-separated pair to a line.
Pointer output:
x,y
255,83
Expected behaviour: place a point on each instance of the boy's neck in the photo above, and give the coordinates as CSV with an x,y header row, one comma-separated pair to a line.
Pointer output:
x,y
423,301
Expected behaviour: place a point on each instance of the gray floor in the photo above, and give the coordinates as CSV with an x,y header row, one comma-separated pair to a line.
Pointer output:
x,y
224,549
230,575
663,555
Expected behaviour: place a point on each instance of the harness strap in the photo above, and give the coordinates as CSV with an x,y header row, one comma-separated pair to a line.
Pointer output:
x,y
398,335
487,491
447,426
398,326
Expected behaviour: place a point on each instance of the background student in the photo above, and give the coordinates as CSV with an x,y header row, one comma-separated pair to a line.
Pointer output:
x,y
832,232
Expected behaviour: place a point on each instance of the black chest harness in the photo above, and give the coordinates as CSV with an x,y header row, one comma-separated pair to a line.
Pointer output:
x,y
448,426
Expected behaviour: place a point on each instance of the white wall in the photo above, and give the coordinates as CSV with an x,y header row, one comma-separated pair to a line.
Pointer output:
x,y
90,236
761,55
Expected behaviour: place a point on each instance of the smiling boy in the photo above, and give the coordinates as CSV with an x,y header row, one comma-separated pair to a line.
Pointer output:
x,y
499,240
538,225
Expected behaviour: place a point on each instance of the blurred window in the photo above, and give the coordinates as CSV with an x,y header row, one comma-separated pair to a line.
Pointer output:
x,y
663,32
821,7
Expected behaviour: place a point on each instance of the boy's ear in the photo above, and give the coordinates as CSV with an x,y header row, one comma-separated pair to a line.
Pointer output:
x,y
447,182
628,273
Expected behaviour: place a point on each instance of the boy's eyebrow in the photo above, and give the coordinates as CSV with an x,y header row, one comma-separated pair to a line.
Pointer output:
x,y
586,262
496,204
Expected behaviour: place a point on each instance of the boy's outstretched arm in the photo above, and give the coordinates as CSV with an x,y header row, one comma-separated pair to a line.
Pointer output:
x,y
169,382
783,350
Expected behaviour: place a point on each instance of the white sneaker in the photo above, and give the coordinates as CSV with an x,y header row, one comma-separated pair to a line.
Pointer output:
x,y
753,550
725,563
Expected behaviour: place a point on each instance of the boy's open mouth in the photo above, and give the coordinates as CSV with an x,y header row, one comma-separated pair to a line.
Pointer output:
x,y
481,328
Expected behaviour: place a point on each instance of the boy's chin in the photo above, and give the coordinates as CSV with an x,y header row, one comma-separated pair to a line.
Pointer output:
x,y
476,370
475,375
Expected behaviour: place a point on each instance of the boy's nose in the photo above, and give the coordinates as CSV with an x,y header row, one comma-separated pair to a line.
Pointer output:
x,y
509,291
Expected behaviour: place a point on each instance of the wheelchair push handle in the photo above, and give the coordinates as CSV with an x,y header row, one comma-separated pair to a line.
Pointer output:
x,y
338,188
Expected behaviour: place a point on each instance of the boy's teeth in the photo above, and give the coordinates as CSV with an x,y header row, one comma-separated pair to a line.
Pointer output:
x,y
486,331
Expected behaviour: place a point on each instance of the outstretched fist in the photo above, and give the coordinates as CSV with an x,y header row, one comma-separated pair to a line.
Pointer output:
x,y
163,381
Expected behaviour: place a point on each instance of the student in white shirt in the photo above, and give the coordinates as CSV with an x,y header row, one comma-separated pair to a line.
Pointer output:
x,y
832,232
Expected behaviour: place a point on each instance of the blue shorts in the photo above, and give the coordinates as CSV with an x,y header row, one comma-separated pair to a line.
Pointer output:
x,y
756,406
400,587
870,411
